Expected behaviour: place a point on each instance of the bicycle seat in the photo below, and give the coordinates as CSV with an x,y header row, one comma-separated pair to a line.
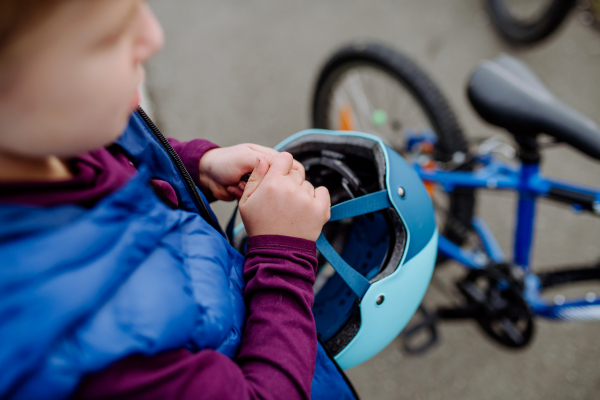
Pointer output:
x,y
506,93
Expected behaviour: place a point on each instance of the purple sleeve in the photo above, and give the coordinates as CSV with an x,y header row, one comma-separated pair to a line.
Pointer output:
x,y
190,153
279,344
278,350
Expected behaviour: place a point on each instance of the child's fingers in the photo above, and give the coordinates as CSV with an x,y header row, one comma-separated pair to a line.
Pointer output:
x,y
300,168
262,149
308,188
246,162
296,176
222,193
323,199
267,151
261,169
235,191
281,163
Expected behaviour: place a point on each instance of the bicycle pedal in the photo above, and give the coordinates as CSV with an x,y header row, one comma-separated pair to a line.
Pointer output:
x,y
421,336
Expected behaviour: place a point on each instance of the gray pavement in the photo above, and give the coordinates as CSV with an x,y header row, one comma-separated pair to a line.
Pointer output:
x,y
243,71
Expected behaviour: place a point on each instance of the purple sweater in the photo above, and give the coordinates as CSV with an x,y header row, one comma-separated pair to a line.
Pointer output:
x,y
278,349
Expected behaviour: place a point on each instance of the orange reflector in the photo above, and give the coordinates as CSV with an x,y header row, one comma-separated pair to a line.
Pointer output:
x,y
427,147
430,186
346,122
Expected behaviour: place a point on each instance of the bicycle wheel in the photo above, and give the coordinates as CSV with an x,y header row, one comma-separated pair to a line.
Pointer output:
x,y
374,89
523,22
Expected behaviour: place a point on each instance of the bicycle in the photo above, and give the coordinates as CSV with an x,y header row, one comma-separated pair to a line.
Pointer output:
x,y
370,87
523,23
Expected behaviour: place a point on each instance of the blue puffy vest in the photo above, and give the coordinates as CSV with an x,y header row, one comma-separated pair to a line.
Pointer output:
x,y
83,288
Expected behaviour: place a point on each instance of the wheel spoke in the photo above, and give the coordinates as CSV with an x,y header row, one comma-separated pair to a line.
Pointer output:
x,y
358,93
389,97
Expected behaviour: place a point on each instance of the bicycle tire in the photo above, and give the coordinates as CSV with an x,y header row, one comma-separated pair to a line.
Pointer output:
x,y
518,32
443,120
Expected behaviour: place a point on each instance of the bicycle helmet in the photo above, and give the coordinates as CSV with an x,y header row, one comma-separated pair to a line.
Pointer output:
x,y
377,252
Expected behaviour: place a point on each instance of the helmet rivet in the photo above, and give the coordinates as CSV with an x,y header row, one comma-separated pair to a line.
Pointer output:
x,y
380,299
401,191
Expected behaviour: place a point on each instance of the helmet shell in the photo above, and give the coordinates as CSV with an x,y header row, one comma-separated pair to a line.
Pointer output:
x,y
390,301
402,291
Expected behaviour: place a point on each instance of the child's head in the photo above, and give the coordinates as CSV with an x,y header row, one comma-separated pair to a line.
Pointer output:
x,y
69,72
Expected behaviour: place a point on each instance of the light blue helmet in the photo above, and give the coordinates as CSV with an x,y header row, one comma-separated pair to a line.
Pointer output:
x,y
377,252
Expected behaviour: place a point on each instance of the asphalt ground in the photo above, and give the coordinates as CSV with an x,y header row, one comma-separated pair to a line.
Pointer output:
x,y
243,71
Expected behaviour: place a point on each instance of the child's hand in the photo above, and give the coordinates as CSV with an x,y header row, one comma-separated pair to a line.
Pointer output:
x,y
221,169
278,201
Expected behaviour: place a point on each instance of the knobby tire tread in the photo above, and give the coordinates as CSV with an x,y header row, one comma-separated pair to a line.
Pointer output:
x,y
450,135
520,33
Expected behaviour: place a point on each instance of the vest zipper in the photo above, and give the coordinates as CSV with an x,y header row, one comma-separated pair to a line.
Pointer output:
x,y
187,178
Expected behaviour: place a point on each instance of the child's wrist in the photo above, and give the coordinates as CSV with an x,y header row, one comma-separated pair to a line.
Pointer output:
x,y
204,168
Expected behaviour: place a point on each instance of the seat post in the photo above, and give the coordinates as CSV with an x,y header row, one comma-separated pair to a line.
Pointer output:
x,y
530,157
529,149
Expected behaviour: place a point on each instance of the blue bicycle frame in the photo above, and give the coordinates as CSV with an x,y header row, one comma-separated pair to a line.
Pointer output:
x,y
527,180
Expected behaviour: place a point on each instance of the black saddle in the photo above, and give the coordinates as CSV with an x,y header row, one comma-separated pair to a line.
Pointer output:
x,y
506,93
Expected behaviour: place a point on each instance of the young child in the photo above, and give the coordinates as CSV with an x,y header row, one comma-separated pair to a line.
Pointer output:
x,y
107,291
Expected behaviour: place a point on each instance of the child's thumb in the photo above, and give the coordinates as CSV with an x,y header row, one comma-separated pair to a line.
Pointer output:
x,y
261,169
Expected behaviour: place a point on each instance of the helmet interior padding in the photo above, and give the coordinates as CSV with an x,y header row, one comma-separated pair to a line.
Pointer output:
x,y
372,244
